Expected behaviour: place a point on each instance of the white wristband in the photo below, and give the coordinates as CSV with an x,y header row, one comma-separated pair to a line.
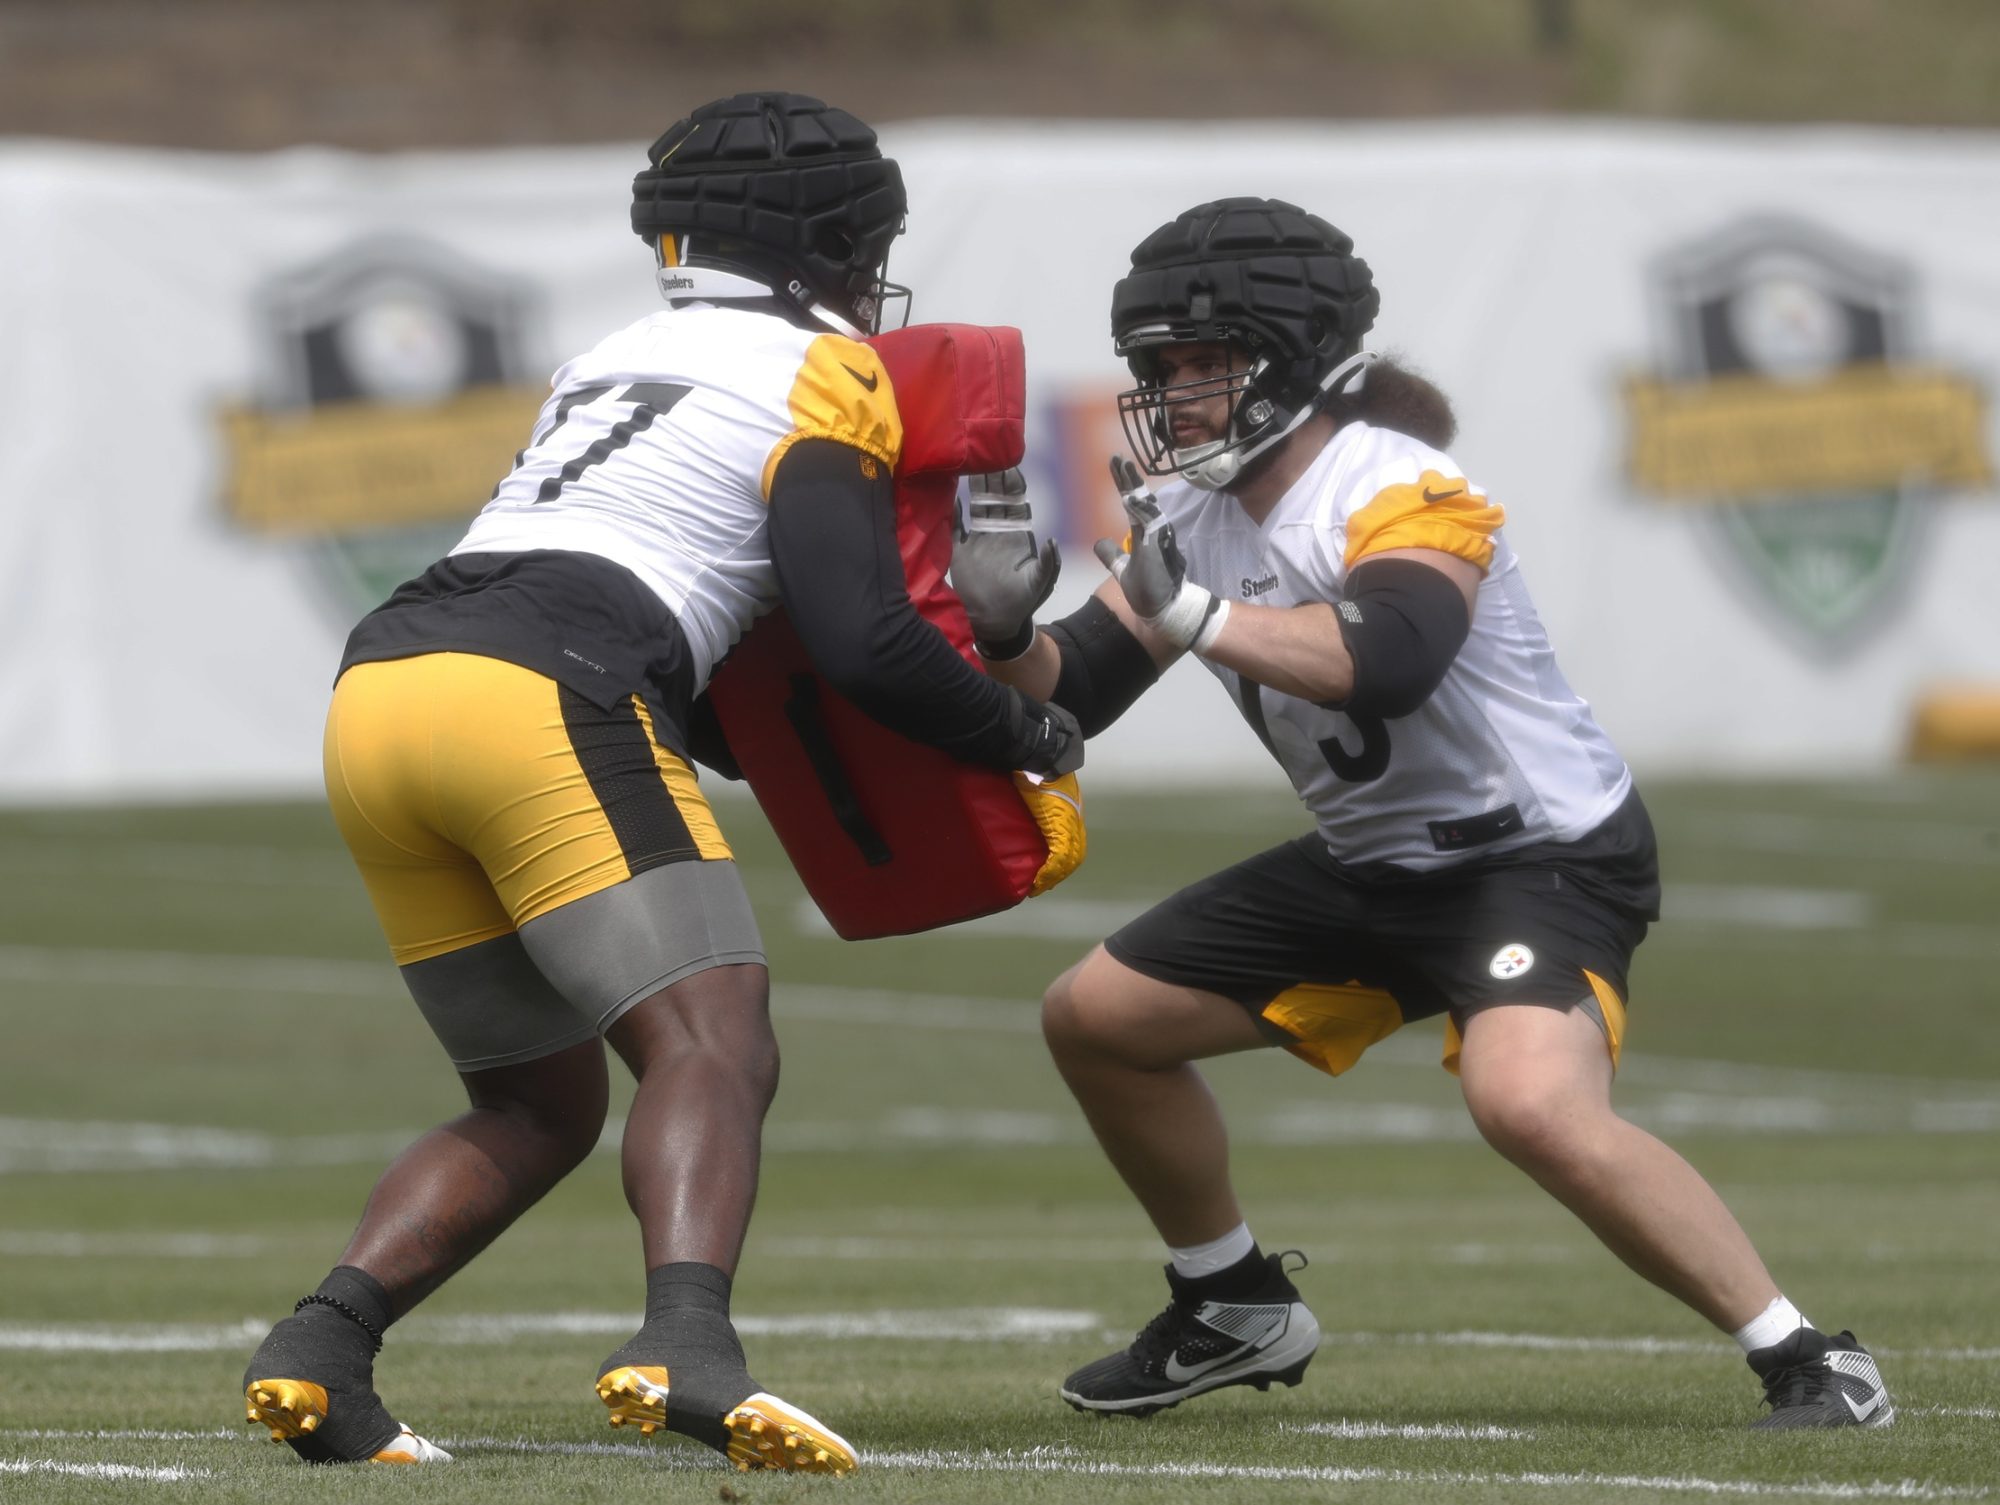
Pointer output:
x,y
1212,628
1181,620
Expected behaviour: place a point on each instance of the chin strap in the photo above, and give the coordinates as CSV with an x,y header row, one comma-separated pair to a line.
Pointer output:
x,y
1206,470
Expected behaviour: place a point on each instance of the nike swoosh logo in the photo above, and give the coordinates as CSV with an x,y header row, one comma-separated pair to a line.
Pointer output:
x,y
867,381
1861,1413
1442,496
1176,1370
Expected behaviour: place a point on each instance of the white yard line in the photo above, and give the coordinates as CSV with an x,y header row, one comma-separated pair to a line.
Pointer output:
x,y
1671,1095
73,1145
1444,1431
120,1434
1753,906
82,966
99,1470
885,1006
940,1325
950,1012
1892,838
1914,939
886,1249
946,1325
1066,1461
66,1146
1756,905
1049,919
140,1245
181,862
949,1325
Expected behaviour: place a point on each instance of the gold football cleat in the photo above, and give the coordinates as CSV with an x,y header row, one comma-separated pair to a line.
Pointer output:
x,y
296,1408
764,1431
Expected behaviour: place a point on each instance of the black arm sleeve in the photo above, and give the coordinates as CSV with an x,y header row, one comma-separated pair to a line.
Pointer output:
x,y
840,574
1403,623
1104,667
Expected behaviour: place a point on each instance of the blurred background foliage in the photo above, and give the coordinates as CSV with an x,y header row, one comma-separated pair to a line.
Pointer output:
x,y
394,74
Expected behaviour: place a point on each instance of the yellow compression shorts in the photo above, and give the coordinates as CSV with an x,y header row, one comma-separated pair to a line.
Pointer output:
x,y
477,795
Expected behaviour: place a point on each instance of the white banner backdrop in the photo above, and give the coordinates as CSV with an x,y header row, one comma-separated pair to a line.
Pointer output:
x,y
1728,385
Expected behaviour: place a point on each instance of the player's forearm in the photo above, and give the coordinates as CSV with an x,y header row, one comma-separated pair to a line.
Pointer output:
x,y
1034,672
1295,650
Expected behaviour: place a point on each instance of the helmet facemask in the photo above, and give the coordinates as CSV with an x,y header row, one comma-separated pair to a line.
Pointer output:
x,y
1259,414
1266,278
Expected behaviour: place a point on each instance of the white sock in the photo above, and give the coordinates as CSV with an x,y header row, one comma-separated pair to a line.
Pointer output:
x,y
1217,1254
1774,1324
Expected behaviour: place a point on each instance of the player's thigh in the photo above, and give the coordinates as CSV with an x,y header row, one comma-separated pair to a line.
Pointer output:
x,y
448,928
1102,1007
1531,938
657,935
1278,937
1532,1072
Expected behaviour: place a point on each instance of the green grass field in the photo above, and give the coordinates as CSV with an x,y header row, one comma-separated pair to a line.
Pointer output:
x,y
207,1059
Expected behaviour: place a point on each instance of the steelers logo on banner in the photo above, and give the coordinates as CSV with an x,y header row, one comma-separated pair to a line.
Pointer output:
x,y
1510,961
397,386
1795,419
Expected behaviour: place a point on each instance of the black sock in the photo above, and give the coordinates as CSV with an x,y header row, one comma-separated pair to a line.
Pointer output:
x,y
688,1333
1238,1282
361,1292
328,1348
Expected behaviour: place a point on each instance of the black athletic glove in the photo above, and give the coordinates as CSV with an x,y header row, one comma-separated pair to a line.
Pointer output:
x,y
996,569
1047,740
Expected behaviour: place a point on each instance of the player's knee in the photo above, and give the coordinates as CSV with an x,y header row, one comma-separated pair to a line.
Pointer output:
x,y
560,1101
1059,1011
1081,1016
1527,1122
575,1132
717,1020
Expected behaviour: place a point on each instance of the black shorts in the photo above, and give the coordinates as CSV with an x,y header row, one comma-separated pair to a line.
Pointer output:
x,y
1335,957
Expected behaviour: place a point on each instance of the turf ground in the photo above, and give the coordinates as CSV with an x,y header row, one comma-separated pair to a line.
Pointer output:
x,y
207,1059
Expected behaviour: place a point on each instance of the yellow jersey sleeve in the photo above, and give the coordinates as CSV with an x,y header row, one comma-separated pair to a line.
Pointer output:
x,y
1435,511
842,393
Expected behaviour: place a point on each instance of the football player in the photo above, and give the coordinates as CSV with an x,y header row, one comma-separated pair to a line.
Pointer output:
x,y
1479,850
508,750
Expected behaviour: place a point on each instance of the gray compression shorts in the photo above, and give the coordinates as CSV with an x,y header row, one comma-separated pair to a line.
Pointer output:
x,y
568,975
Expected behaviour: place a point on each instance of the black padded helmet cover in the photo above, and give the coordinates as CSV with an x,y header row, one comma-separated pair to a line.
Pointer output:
x,y
781,187
1260,272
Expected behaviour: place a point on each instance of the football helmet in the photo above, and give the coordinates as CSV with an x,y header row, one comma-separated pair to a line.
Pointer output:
x,y
1280,284
775,196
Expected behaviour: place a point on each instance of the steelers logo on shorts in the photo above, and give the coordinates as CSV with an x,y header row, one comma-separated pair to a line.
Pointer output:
x,y
1510,961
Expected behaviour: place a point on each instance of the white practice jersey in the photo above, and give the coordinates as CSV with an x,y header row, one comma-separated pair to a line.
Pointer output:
x,y
657,449
1504,754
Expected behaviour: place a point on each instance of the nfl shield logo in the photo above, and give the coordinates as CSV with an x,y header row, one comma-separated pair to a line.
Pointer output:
x,y
1794,417
395,390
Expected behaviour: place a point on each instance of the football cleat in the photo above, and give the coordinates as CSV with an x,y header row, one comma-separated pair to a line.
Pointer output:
x,y
312,1383
1811,1380
762,1430
295,1410
1200,1344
